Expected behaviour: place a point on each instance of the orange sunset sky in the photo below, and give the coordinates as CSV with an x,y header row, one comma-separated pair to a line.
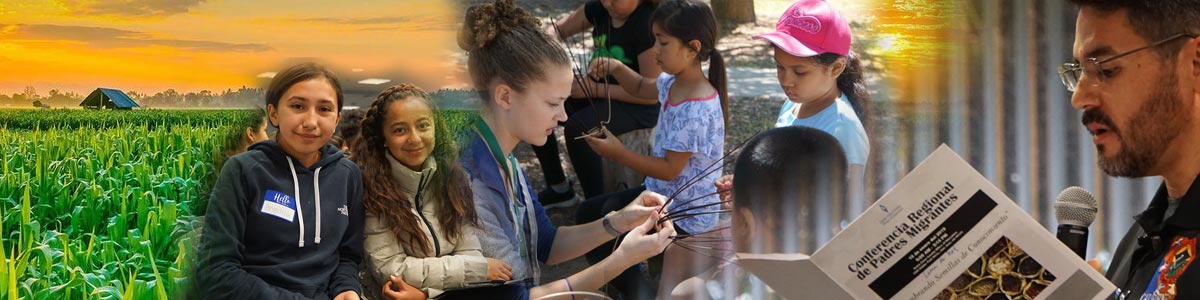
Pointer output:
x,y
193,45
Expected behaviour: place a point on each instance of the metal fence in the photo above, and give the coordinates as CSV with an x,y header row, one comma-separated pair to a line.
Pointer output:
x,y
997,101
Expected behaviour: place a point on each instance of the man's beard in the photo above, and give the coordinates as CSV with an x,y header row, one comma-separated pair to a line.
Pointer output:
x,y
1151,129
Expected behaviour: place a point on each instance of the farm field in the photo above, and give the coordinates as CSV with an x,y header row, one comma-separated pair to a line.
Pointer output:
x,y
102,204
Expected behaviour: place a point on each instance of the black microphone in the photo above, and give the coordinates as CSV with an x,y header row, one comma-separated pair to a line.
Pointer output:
x,y
1075,210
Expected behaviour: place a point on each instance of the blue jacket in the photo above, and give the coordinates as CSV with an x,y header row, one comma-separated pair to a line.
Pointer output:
x,y
498,231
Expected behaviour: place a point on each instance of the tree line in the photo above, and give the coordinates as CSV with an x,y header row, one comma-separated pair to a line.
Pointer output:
x,y
170,98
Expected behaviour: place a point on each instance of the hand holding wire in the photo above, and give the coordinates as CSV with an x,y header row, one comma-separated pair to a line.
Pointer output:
x,y
602,66
586,86
636,212
725,183
640,244
605,144
714,243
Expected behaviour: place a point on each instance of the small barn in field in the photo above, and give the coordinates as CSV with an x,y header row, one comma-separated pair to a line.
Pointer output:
x,y
108,98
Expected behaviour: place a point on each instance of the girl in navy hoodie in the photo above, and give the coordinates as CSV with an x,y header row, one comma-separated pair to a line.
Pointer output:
x,y
285,220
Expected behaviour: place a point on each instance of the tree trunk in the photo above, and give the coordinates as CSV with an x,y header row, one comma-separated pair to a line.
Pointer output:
x,y
731,13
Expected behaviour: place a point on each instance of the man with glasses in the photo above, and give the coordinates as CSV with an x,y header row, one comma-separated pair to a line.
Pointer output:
x,y
1136,76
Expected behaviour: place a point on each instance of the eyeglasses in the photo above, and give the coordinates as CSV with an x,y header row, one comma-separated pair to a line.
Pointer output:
x,y
1071,72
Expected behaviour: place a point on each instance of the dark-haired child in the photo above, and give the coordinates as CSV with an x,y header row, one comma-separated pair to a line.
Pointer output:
x,y
690,136
523,77
823,80
285,220
783,176
621,31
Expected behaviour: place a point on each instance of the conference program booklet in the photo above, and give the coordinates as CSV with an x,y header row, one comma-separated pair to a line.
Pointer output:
x,y
943,232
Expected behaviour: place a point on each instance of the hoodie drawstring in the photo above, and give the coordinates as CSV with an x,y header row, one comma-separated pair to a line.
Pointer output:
x,y
317,187
299,211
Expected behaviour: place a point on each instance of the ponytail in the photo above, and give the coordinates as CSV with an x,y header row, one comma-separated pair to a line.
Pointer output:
x,y
691,20
851,83
719,80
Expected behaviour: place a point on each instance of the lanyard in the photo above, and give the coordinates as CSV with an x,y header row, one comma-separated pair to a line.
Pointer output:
x,y
508,164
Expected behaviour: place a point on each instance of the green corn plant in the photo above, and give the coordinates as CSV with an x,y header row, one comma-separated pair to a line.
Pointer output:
x,y
104,202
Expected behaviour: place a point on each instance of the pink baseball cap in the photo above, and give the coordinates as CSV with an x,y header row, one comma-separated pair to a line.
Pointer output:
x,y
810,27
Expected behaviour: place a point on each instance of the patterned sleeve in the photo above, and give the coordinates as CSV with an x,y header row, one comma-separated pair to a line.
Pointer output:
x,y
663,83
693,129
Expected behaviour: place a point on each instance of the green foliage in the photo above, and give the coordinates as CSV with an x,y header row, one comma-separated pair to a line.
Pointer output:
x,y
457,108
33,119
103,204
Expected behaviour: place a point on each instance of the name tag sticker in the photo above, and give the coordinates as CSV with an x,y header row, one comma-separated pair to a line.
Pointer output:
x,y
280,205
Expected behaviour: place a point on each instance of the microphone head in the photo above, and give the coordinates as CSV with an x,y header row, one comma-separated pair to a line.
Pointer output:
x,y
1075,206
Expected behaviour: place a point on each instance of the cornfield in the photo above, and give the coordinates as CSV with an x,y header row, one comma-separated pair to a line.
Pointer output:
x,y
104,204
72,118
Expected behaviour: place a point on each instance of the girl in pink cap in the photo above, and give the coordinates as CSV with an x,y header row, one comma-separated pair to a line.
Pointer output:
x,y
823,81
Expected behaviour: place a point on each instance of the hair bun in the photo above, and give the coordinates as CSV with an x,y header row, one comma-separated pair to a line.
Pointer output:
x,y
484,22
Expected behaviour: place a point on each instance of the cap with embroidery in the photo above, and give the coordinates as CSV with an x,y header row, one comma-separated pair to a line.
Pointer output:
x,y
810,27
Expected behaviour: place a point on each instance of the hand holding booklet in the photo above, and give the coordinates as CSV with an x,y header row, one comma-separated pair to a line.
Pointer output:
x,y
943,232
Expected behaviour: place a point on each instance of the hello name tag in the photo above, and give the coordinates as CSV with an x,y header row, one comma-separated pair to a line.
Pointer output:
x,y
280,205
